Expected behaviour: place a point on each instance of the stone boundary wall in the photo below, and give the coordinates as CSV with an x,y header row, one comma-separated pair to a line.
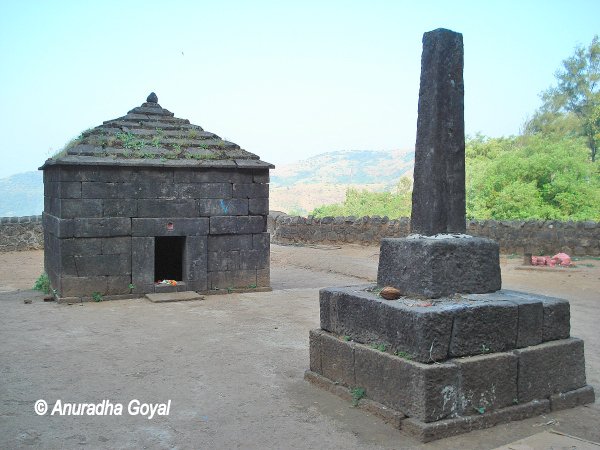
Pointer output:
x,y
21,233
536,236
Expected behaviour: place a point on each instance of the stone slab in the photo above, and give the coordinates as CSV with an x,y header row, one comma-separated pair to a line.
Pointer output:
x,y
550,368
484,327
431,431
388,415
427,391
487,382
427,432
433,267
434,330
571,399
174,297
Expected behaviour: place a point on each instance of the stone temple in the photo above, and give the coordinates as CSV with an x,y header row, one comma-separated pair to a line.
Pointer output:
x,y
149,197
454,352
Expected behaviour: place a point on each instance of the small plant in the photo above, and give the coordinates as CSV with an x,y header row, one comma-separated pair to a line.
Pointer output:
x,y
229,290
192,134
131,286
155,142
252,286
380,347
403,355
347,338
480,410
97,296
42,283
515,401
357,394
485,348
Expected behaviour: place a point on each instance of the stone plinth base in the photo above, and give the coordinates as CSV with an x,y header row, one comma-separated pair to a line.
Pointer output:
x,y
435,330
458,395
435,266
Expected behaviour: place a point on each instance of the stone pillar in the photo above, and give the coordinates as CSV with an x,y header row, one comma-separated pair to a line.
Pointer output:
x,y
438,201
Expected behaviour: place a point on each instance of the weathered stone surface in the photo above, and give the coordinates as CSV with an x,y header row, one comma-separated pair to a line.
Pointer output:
x,y
167,208
550,368
72,286
314,339
556,318
512,236
221,207
487,382
118,284
438,204
60,228
571,399
258,206
226,243
484,328
119,208
421,332
427,432
261,241
433,267
195,263
263,277
169,226
426,391
231,279
103,265
164,289
531,316
250,190
152,98
218,190
237,224
174,297
81,246
101,227
142,261
116,245
212,176
337,359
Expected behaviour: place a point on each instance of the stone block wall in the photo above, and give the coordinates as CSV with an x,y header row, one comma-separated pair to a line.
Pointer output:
x,y
537,237
21,233
101,224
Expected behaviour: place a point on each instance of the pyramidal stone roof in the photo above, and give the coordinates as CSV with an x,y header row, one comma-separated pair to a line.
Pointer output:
x,y
151,135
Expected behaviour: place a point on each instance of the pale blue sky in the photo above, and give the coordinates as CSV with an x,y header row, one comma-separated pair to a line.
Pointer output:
x,y
283,79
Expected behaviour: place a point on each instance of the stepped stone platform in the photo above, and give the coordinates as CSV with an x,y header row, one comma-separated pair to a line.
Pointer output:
x,y
451,365
455,353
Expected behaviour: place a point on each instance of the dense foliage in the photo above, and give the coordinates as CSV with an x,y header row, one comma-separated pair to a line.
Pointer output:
x,y
531,177
364,203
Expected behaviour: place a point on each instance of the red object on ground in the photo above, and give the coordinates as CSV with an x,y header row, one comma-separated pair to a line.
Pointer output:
x,y
560,258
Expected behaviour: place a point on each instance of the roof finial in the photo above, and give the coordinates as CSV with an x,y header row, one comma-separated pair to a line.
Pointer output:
x,y
152,98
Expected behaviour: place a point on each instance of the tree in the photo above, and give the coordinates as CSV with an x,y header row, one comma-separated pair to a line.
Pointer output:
x,y
574,103
531,177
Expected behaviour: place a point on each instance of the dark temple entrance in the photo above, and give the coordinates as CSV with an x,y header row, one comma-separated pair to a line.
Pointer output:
x,y
168,258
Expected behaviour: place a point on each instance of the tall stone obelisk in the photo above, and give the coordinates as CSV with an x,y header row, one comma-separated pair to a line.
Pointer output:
x,y
439,259
438,204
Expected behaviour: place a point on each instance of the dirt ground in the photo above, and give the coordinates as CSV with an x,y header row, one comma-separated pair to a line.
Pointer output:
x,y
231,365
